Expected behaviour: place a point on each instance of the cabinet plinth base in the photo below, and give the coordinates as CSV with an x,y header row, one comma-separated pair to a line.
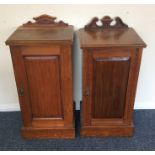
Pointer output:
x,y
126,130
42,133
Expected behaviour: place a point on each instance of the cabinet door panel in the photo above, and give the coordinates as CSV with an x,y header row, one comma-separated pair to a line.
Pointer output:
x,y
108,75
109,87
43,77
45,80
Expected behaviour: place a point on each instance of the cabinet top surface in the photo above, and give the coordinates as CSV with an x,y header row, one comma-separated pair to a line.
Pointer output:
x,y
112,32
110,37
43,29
25,35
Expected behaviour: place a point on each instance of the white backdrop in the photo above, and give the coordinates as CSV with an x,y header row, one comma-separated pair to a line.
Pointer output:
x,y
140,17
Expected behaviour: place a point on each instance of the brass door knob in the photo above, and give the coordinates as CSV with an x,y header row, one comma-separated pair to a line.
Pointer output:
x,y
87,92
21,90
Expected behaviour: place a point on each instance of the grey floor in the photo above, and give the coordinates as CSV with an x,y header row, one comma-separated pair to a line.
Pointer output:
x,y
143,139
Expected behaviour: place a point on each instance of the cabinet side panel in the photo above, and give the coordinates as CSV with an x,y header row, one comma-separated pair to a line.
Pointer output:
x,y
66,76
43,75
110,85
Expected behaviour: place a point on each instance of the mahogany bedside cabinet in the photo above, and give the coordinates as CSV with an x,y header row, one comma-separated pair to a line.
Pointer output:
x,y
111,62
41,54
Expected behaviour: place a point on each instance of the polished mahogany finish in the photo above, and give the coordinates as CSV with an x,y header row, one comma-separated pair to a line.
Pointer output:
x,y
111,62
109,89
41,54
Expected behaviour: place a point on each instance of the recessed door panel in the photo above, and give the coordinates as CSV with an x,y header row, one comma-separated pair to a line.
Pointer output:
x,y
43,77
110,77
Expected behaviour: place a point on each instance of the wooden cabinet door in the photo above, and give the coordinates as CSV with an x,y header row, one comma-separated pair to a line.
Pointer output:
x,y
43,85
108,74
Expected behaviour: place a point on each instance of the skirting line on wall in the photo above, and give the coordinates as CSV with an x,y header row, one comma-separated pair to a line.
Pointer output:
x,y
9,107
15,106
144,105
